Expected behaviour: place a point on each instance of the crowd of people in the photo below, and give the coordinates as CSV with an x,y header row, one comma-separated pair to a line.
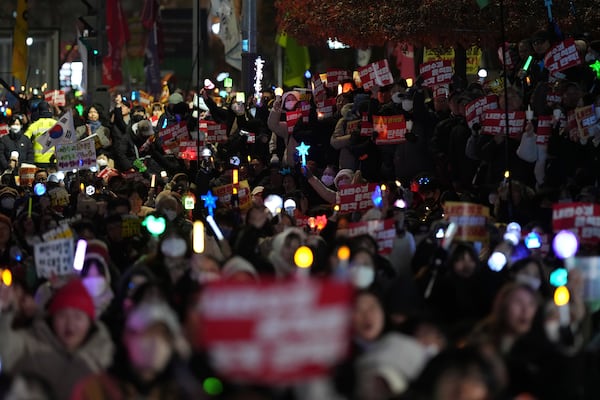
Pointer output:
x,y
429,319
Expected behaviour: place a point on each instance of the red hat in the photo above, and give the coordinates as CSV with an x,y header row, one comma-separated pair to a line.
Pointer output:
x,y
72,295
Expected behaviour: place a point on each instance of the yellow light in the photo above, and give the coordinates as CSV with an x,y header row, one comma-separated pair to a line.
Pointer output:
x,y
343,253
235,191
7,277
303,257
81,187
235,176
278,91
383,188
198,237
506,174
336,208
398,184
561,296
409,82
249,159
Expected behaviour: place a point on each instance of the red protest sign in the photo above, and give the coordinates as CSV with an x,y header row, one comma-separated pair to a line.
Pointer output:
x,y
352,127
188,150
56,97
562,56
251,137
291,118
391,129
581,218
3,130
436,73
494,122
213,132
225,192
305,108
172,135
356,197
383,231
377,73
553,98
276,332
325,108
318,89
470,219
366,126
145,98
477,107
336,77
544,129
586,119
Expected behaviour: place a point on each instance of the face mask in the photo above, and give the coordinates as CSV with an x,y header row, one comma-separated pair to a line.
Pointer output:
x,y
362,276
290,104
407,105
149,353
170,214
327,180
95,285
15,128
101,162
552,329
530,281
173,247
8,203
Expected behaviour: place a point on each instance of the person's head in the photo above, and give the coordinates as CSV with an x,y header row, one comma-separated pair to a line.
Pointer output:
x,y
362,268
205,268
329,174
540,42
157,110
368,317
440,103
257,165
138,113
528,271
15,125
514,309
72,313
291,100
524,48
291,242
282,221
238,269
92,114
41,176
343,177
149,338
463,260
257,196
571,95
257,216
289,183
384,94
168,206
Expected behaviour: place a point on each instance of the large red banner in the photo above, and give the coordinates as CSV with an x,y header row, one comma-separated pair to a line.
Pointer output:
x,y
383,231
581,218
376,74
494,122
477,107
562,56
356,197
436,73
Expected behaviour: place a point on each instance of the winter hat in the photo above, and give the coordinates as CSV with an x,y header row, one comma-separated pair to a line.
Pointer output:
x,y
72,295
175,98
44,110
343,173
149,313
238,264
257,190
144,128
97,250
5,220
8,191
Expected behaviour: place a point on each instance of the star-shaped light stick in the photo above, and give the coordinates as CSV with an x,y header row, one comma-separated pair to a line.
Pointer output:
x,y
210,202
303,152
596,68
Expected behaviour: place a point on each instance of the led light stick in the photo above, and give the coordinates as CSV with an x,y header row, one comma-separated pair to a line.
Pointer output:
x,y
198,235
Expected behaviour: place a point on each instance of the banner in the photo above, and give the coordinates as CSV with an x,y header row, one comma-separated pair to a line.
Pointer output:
x,y
188,150
305,108
562,56
62,132
356,197
55,97
19,45
473,54
391,129
544,129
470,218
553,99
494,123
172,135
477,107
366,126
383,231
325,108
225,192
586,119
436,73
291,118
583,219
318,89
376,74
335,77
53,258
117,34
213,132
276,333
80,155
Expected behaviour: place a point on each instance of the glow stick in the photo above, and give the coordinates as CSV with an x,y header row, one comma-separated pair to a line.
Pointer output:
x,y
213,224
79,255
527,63
153,181
198,235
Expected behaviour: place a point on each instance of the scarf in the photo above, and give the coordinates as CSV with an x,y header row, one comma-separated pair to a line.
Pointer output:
x,y
94,125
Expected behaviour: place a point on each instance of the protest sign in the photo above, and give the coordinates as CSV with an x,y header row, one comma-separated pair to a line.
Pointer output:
x,y
53,258
494,123
589,268
55,97
562,56
477,107
384,231
145,98
325,108
390,129
318,89
352,127
336,76
27,174
436,73
356,197
544,129
470,219
366,126
80,155
583,219
63,231
586,120
553,99
213,132
188,150
172,135
291,118
275,332
3,129
305,108
376,74
225,192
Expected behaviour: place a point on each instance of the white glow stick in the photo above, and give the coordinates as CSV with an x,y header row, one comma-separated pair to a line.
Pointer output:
x,y
79,254
215,227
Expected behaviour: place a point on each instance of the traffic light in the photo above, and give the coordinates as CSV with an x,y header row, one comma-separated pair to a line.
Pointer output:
x,y
92,28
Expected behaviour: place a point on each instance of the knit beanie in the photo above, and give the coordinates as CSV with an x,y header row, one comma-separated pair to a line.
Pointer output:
x,y
72,295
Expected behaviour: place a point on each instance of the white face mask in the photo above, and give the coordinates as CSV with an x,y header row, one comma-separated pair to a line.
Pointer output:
x,y
407,104
15,128
95,285
530,281
101,162
149,353
327,180
170,214
362,276
173,247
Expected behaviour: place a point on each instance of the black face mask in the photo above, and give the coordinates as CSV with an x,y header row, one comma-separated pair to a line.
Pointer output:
x,y
137,118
